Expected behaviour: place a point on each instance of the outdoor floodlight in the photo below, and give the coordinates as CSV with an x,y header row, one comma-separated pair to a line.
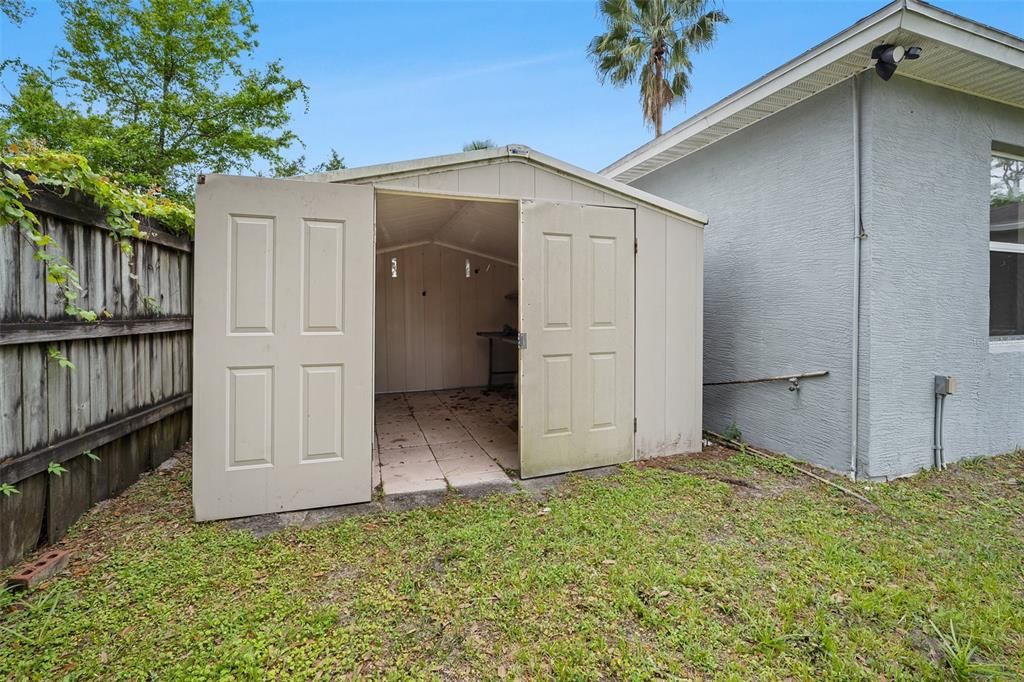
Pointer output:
x,y
888,56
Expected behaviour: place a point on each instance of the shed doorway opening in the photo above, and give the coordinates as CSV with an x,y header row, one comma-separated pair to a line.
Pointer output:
x,y
446,364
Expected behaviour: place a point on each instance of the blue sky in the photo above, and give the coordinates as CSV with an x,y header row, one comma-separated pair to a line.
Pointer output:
x,y
398,80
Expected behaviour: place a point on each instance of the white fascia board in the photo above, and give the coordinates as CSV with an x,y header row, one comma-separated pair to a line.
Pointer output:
x,y
909,15
962,32
865,31
616,187
965,35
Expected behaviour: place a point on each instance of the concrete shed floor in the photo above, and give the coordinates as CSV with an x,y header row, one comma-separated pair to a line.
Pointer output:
x,y
428,441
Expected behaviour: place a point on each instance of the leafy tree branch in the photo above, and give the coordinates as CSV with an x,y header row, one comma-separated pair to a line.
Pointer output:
x,y
16,11
158,91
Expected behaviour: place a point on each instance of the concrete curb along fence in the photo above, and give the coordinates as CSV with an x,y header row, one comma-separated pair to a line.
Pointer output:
x,y
128,400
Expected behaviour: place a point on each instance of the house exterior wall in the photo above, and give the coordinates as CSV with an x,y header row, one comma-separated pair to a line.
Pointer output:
x,y
926,277
778,274
779,277
668,293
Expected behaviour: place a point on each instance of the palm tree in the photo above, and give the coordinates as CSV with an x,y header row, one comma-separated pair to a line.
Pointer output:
x,y
473,145
653,39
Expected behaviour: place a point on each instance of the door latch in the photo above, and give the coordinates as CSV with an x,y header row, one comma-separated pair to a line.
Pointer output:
x,y
522,340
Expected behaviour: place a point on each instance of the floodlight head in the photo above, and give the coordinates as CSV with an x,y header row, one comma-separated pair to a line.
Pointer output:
x,y
885,70
888,56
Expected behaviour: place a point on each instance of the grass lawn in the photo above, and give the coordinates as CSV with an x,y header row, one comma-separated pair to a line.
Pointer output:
x,y
710,567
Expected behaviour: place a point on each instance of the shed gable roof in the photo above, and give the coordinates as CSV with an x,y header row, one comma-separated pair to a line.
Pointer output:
x,y
958,54
513,153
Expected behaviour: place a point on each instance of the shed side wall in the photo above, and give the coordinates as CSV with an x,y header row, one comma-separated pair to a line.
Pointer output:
x,y
668,284
778,274
926,210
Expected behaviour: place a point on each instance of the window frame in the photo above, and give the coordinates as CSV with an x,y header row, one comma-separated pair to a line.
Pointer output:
x,y
1009,342
1006,247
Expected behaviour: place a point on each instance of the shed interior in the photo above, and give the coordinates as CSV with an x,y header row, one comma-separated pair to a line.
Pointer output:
x,y
446,361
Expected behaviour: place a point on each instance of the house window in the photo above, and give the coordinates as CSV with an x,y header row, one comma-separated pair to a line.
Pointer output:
x,y
1006,246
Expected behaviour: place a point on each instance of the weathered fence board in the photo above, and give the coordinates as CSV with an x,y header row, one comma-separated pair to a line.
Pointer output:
x,y
61,451
23,519
76,210
128,400
38,332
10,285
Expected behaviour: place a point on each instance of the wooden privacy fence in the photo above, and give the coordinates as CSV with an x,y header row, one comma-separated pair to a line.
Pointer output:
x,y
128,399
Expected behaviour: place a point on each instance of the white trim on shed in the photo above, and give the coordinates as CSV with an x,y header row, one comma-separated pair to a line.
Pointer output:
x,y
388,174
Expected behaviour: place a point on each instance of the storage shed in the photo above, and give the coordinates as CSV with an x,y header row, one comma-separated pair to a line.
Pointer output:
x,y
577,296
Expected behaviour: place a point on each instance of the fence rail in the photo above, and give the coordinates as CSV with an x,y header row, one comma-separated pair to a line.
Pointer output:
x,y
39,332
128,398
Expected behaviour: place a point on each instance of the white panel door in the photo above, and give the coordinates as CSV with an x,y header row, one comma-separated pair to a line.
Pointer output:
x,y
576,307
283,345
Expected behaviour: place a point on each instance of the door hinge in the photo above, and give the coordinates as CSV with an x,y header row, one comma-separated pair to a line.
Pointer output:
x,y
522,340
634,424
636,246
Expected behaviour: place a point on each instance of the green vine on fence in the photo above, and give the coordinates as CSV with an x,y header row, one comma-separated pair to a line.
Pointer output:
x,y
63,172
31,165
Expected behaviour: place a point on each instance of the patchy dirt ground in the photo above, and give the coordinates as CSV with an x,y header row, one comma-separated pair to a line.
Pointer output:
x,y
767,480
719,565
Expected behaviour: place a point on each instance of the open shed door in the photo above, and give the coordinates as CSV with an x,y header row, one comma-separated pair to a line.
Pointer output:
x,y
576,370
283,390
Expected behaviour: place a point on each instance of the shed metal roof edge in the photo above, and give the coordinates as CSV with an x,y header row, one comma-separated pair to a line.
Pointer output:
x,y
913,15
512,152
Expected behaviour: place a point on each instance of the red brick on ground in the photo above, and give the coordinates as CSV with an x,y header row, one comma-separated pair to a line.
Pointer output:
x,y
40,570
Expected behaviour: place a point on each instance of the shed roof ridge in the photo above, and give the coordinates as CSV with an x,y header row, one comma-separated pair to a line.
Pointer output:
x,y
510,152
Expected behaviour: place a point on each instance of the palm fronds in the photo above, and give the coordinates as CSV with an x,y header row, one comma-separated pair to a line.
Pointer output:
x,y
652,41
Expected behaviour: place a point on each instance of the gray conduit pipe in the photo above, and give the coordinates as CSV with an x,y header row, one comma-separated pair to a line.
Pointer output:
x,y
938,452
858,235
944,386
942,449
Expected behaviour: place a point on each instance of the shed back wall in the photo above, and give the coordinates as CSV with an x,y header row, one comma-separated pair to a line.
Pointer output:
x,y
428,316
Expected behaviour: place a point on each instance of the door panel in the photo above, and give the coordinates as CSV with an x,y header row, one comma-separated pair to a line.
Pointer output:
x,y
576,307
283,391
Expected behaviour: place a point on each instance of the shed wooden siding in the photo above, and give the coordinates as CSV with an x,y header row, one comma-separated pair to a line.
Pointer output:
x,y
507,178
669,334
669,288
429,342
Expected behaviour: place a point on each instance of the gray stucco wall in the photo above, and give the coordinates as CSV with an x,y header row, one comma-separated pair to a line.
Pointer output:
x,y
926,275
778,274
